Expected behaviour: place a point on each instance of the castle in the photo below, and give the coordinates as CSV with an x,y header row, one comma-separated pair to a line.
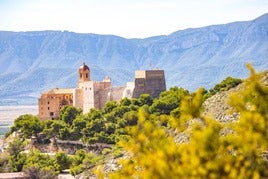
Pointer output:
x,y
94,94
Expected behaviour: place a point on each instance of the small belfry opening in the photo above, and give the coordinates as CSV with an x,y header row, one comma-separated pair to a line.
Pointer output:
x,y
84,73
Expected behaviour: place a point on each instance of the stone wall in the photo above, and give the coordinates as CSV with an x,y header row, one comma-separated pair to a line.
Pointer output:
x,y
51,102
128,92
89,93
78,98
110,94
149,82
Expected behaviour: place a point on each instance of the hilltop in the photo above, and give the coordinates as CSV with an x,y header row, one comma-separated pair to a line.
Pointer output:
x,y
218,105
170,127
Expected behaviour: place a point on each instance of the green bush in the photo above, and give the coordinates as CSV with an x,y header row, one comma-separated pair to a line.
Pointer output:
x,y
224,85
62,160
28,125
210,151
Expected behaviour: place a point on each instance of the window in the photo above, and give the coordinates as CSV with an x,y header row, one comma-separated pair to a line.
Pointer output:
x,y
47,108
86,75
48,102
80,75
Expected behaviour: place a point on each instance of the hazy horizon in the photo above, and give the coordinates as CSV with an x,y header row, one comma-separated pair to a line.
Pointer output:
x,y
129,19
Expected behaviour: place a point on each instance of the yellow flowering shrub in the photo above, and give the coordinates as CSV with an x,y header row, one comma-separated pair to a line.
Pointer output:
x,y
213,149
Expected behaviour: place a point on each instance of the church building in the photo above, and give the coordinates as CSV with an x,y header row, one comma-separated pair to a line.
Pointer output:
x,y
94,94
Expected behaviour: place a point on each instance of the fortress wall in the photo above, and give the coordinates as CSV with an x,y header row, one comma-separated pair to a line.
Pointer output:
x,y
128,92
88,98
139,87
117,93
93,95
110,94
153,83
140,74
48,106
78,98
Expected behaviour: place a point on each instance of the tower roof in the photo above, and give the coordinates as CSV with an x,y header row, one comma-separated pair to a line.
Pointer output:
x,y
84,67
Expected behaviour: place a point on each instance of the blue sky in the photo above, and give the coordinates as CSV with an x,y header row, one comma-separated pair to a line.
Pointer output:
x,y
126,18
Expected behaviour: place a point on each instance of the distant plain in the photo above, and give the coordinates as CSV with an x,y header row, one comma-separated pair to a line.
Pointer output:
x,y
9,113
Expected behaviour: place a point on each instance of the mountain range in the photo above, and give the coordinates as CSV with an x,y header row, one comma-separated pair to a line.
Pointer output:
x,y
32,62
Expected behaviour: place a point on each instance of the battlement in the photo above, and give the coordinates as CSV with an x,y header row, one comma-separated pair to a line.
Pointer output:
x,y
149,74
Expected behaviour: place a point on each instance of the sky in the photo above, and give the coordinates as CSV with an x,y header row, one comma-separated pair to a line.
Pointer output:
x,y
125,18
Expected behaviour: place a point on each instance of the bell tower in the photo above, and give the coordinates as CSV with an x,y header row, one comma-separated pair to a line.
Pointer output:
x,y
83,75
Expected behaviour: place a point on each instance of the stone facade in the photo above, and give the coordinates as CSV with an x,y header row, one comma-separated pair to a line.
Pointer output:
x,y
52,101
149,82
94,94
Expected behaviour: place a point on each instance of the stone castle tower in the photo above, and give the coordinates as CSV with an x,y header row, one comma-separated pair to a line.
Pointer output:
x,y
149,82
94,94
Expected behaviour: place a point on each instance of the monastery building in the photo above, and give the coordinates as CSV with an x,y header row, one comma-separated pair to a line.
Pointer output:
x,y
94,94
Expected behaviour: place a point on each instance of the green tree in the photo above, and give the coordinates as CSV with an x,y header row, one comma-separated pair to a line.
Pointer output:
x,y
78,157
78,125
69,113
131,118
83,161
168,100
62,160
53,128
16,146
28,125
109,106
16,158
125,102
65,134
146,99
224,85
42,162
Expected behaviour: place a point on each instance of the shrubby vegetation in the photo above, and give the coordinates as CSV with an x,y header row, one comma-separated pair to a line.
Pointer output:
x,y
225,85
213,149
83,161
40,165
107,125
148,130
28,125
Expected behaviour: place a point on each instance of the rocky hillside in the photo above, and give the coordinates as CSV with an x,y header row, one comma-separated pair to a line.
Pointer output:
x,y
218,107
31,62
